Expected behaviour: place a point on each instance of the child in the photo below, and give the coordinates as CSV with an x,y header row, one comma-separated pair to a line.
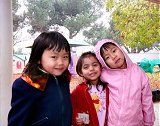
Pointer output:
x,y
130,97
41,96
90,99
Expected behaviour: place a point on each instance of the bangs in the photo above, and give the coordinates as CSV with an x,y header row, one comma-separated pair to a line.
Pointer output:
x,y
58,46
58,43
106,46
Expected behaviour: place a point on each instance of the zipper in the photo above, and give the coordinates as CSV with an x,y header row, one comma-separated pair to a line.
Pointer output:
x,y
61,98
39,121
122,98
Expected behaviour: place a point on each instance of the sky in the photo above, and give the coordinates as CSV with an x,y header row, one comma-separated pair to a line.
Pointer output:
x,y
22,8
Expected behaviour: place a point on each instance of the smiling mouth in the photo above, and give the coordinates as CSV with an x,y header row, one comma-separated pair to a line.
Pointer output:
x,y
92,74
117,61
59,68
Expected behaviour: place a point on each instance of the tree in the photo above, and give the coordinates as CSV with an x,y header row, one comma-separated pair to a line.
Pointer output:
x,y
75,15
18,21
99,31
137,23
16,18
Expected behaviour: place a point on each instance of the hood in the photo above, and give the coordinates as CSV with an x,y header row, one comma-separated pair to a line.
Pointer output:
x,y
97,51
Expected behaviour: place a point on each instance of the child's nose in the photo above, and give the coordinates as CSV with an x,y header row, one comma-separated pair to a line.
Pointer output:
x,y
91,68
113,56
60,61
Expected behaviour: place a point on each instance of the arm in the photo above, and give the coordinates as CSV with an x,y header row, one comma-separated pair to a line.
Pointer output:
x,y
79,111
147,104
74,106
23,96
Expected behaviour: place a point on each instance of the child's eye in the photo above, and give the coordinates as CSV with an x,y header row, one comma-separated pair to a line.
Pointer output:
x,y
95,64
114,50
53,57
106,58
66,57
85,67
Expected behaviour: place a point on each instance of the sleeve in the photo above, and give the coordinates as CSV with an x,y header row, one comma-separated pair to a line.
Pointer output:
x,y
23,96
147,103
103,76
74,106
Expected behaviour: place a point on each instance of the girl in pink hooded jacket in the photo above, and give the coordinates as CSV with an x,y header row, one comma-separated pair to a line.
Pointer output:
x,y
130,96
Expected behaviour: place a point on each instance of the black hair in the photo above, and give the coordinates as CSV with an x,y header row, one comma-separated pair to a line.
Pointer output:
x,y
105,46
47,40
80,63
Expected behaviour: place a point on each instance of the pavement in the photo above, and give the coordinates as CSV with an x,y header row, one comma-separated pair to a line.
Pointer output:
x,y
157,113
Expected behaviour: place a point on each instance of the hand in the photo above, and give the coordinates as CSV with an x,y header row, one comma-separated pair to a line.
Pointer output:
x,y
79,121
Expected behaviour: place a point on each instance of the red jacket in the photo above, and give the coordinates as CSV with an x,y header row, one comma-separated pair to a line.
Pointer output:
x,y
82,103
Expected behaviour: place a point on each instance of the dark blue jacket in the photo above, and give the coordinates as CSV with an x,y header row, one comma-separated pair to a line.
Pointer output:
x,y
32,107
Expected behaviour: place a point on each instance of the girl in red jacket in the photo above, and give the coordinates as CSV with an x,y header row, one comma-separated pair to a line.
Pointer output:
x,y
90,98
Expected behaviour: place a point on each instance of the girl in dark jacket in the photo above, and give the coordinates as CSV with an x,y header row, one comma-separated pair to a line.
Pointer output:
x,y
41,96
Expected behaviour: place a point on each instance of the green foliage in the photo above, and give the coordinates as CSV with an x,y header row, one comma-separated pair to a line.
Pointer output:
x,y
17,19
37,14
81,21
110,4
15,6
73,14
137,22
98,32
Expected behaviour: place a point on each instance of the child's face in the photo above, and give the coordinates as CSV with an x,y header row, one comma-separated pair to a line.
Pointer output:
x,y
91,69
55,62
114,57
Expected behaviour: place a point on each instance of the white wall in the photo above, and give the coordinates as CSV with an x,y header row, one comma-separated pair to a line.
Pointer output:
x,y
137,57
5,59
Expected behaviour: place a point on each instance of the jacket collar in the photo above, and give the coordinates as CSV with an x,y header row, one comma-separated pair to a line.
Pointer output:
x,y
37,80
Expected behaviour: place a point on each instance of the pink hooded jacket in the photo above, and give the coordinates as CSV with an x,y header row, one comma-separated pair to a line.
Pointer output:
x,y
130,96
